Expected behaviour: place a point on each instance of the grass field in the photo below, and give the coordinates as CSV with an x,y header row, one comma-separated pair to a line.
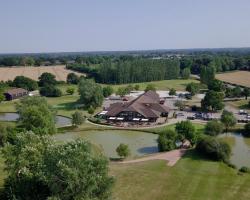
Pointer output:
x,y
178,84
239,78
240,104
192,178
9,73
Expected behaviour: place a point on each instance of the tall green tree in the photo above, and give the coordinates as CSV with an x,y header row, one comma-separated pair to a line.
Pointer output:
x,y
186,130
207,74
246,92
213,101
25,83
47,79
36,115
38,168
91,93
228,119
185,73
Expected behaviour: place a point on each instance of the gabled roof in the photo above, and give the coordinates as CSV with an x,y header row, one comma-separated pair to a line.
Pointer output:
x,y
146,104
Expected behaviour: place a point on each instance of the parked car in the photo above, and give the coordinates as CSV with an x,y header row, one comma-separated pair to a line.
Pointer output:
x,y
243,112
179,114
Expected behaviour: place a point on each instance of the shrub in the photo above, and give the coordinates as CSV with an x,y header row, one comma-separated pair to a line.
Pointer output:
x,y
166,140
172,91
214,149
78,118
150,87
72,78
123,150
91,110
50,91
244,169
228,119
70,90
214,128
107,91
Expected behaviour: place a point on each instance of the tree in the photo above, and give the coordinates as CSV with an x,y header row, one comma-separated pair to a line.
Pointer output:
x,y
107,91
123,150
246,92
38,168
193,88
36,115
236,92
172,91
91,94
185,73
228,119
47,79
150,87
180,104
216,85
214,149
137,87
247,130
70,90
25,83
214,128
78,118
50,91
166,140
186,130
212,100
207,74
2,97
72,78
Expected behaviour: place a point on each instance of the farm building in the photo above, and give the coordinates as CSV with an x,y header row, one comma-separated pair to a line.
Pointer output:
x,y
15,93
145,108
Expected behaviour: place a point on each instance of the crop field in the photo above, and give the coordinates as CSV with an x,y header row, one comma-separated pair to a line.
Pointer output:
x,y
241,78
9,73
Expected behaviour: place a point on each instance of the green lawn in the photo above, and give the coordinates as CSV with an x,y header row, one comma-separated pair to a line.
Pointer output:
x,y
192,178
178,84
240,104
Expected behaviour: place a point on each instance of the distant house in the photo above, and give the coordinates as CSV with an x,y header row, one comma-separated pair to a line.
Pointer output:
x,y
145,108
15,93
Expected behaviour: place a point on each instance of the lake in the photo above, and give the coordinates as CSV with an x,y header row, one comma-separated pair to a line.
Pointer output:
x,y
60,120
240,149
140,143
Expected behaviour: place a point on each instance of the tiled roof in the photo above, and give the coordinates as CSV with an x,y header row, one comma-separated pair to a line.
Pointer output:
x,y
146,104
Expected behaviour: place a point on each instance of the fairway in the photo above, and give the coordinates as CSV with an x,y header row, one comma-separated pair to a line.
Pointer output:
x,y
9,73
177,84
191,178
241,78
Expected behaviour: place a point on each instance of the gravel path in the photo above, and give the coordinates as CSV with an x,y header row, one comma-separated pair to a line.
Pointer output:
x,y
171,157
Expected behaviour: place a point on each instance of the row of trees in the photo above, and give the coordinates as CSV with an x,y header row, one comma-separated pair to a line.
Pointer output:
x,y
131,71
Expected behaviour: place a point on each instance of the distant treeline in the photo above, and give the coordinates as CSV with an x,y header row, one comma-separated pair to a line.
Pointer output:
x,y
132,71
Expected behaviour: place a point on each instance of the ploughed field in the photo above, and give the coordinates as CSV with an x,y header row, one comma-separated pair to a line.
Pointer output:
x,y
9,73
239,78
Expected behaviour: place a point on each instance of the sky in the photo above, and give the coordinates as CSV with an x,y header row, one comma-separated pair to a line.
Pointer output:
x,y
32,26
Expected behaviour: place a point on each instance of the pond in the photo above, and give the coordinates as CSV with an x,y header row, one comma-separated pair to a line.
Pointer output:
x,y
60,120
240,149
140,143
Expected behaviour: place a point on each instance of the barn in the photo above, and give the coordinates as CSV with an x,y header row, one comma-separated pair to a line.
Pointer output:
x,y
15,93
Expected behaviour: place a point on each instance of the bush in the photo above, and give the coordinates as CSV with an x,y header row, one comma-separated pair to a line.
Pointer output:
x,y
214,128
166,140
150,87
91,110
244,169
172,91
123,150
107,91
70,90
228,119
214,149
50,91
78,118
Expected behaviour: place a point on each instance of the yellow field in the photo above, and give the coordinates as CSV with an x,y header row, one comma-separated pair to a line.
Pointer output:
x,y
241,78
9,73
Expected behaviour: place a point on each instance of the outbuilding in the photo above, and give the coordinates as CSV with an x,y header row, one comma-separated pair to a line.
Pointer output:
x,y
15,93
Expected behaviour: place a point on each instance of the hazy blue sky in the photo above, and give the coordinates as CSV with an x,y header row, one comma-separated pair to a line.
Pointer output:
x,y
91,25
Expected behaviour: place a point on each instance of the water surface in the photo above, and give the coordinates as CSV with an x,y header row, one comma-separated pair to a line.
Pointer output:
x,y
140,143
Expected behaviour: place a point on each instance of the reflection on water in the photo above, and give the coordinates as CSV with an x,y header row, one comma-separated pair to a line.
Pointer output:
x,y
240,149
60,120
140,143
